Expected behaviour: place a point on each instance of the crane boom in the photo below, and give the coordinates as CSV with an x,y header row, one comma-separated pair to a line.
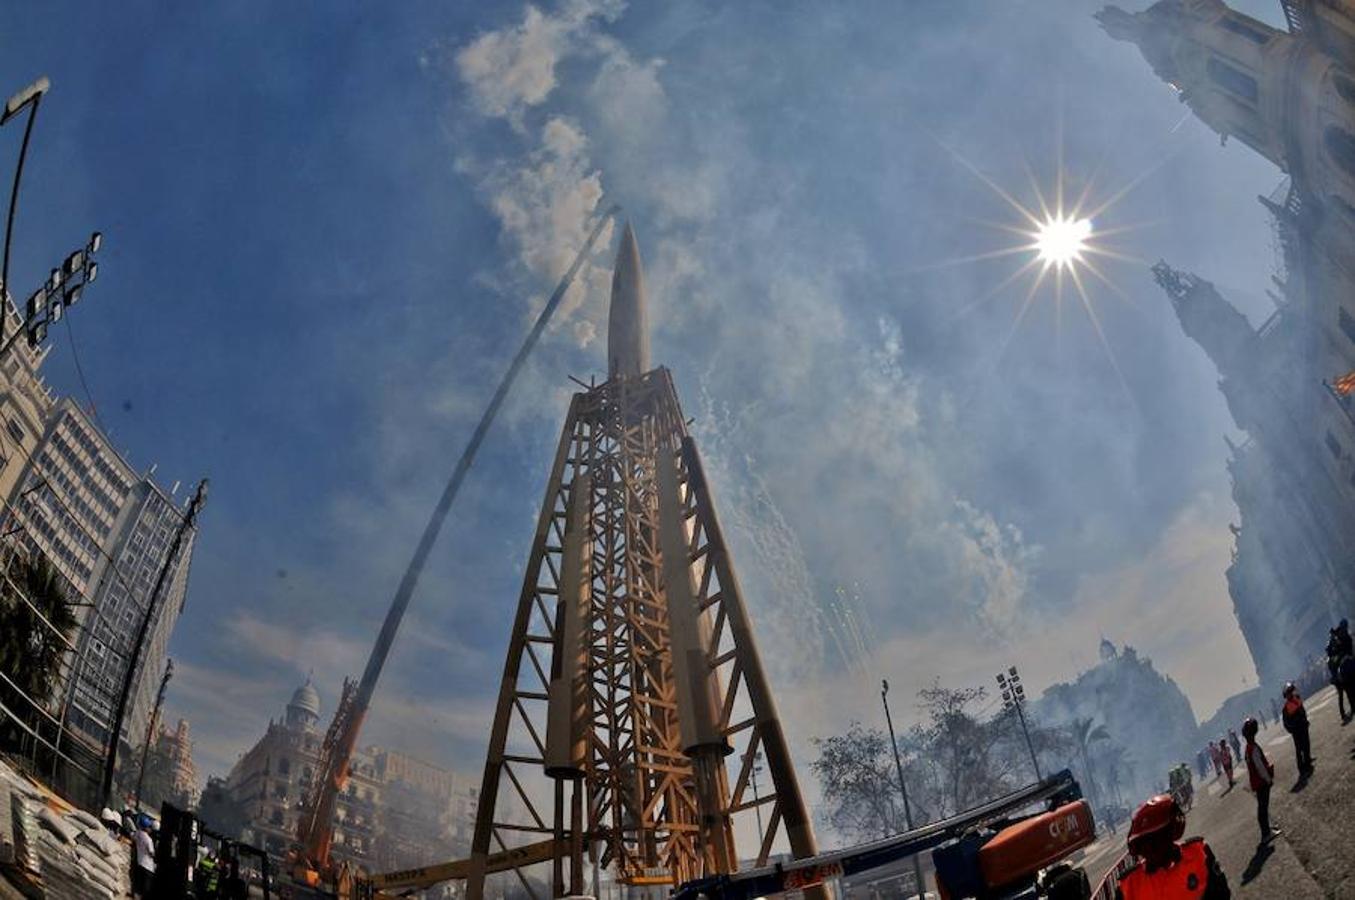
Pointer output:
x,y
316,827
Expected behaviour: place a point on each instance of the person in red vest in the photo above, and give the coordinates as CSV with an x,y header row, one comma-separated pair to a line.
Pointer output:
x,y
1296,723
1261,776
1168,867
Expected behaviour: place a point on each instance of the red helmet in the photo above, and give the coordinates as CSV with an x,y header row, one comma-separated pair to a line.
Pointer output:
x,y
1152,818
1249,728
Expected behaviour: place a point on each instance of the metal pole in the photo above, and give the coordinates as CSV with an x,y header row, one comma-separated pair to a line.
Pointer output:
x,y
199,497
14,199
757,804
150,730
903,786
1034,760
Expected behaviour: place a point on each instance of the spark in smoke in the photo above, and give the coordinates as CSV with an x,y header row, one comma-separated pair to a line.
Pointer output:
x,y
1063,243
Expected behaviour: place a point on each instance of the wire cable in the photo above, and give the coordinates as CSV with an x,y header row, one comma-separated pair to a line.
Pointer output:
x,y
80,371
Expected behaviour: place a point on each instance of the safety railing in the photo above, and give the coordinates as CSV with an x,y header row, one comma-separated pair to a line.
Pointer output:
x,y
1105,890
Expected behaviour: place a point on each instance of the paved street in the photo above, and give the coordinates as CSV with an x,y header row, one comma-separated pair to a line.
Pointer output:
x,y
1315,857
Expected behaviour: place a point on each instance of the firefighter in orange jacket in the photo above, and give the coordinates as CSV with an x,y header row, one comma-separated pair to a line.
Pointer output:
x,y
1295,719
1168,867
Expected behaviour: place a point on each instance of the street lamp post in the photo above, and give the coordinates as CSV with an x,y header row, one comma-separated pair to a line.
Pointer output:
x,y
29,97
903,786
1014,699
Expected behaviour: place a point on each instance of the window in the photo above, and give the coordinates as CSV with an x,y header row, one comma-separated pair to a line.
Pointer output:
x,y
1345,86
1333,445
1254,33
16,430
1347,322
1340,146
1233,80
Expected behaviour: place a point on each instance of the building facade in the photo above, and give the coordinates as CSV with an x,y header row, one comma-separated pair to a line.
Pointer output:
x,y
395,812
107,530
25,403
177,749
1290,96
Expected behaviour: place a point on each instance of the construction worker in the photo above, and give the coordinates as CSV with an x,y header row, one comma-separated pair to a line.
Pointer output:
x,y
205,878
1296,723
143,849
1261,777
1169,868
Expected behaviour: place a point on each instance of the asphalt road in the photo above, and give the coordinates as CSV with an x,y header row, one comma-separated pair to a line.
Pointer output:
x,y
1314,857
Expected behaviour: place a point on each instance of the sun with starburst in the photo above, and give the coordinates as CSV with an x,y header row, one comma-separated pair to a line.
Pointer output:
x,y
1060,240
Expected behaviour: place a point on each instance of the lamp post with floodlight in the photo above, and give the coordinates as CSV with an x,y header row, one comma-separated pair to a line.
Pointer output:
x,y
62,289
30,97
903,785
1014,699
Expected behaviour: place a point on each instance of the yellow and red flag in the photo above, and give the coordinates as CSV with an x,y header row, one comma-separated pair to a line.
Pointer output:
x,y
1345,385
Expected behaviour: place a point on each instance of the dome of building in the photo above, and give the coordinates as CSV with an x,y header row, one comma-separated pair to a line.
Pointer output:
x,y
305,706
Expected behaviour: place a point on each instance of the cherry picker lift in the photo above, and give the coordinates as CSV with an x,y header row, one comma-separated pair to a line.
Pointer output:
x,y
998,851
989,852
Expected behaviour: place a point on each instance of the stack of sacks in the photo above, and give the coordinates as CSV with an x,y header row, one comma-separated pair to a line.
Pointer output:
x,y
60,853
78,860
6,826
24,803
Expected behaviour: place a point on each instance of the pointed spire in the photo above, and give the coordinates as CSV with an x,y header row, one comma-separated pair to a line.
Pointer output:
x,y
628,322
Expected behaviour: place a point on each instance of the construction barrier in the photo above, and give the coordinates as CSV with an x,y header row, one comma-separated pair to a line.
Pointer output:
x,y
1106,889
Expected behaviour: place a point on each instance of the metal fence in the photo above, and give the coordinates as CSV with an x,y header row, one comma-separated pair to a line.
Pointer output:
x,y
35,732
1105,890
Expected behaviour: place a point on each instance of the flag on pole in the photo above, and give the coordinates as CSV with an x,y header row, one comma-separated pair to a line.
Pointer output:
x,y
1345,385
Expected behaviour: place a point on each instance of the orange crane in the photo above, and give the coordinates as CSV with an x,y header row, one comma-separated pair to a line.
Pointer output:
x,y
310,861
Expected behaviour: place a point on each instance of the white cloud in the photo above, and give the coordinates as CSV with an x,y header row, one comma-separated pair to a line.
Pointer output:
x,y
513,68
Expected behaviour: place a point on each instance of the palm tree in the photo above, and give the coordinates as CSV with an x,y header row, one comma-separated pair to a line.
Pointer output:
x,y
1116,763
36,621
1085,733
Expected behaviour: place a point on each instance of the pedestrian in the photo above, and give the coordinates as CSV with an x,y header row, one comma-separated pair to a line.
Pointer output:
x,y
1168,866
143,868
1339,663
1216,759
1261,777
1235,744
1296,723
1201,765
1226,758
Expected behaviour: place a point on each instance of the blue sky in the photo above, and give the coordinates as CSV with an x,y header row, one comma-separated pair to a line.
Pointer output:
x,y
328,227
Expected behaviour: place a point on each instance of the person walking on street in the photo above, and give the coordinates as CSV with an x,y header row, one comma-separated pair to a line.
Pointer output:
x,y
1261,777
1226,758
1340,654
1235,744
1296,723
1169,866
1216,760
1202,765
143,868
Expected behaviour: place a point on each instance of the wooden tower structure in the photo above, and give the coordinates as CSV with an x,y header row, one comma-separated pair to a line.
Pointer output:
x,y
634,712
